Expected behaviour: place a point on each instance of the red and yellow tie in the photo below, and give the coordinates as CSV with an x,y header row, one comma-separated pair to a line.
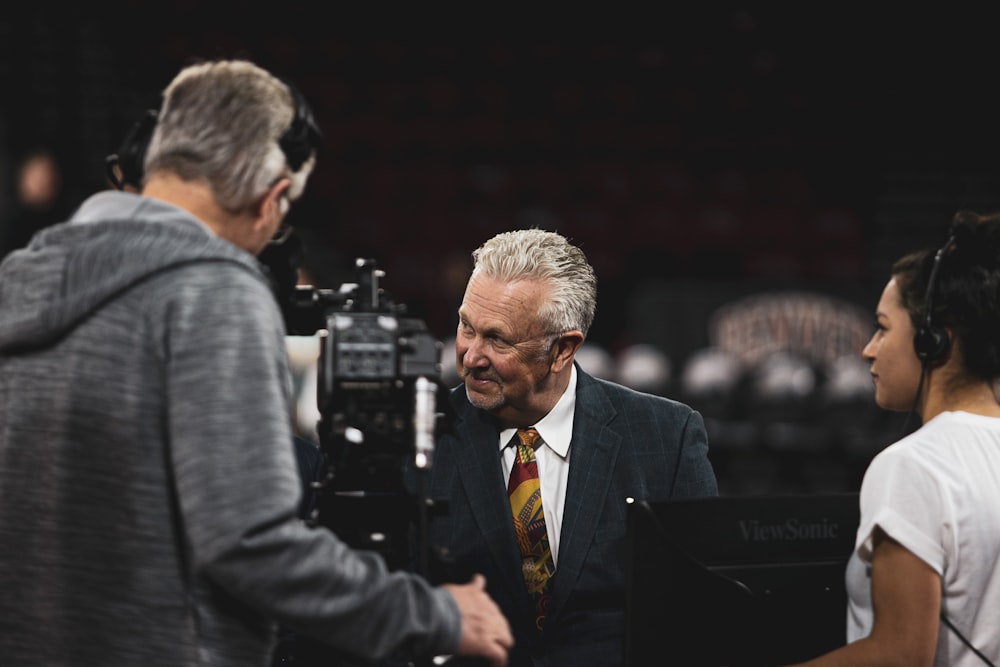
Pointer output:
x,y
525,494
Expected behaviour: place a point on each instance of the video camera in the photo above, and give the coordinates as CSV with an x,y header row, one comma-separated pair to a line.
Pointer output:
x,y
371,361
378,381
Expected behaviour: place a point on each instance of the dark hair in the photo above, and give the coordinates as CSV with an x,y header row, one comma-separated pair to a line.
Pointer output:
x,y
966,292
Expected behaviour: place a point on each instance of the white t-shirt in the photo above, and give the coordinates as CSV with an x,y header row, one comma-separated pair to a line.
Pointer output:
x,y
937,492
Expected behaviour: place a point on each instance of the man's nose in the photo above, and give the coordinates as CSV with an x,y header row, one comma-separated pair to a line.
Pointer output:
x,y
473,356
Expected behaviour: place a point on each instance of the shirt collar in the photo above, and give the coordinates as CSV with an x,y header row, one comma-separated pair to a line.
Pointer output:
x,y
555,428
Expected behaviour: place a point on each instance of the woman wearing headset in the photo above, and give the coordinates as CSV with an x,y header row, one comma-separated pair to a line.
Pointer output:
x,y
924,579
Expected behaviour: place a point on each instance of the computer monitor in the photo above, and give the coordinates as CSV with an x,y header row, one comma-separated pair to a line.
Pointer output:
x,y
737,581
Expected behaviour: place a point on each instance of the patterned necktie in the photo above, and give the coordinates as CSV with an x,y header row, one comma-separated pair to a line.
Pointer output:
x,y
529,522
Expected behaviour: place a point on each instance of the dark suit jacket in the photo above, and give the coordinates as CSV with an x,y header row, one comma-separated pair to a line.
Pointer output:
x,y
625,444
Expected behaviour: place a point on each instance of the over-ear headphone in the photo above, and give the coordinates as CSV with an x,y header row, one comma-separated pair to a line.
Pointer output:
x,y
131,153
303,136
931,341
300,139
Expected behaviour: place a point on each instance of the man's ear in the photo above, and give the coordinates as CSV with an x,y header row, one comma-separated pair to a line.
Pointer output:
x,y
564,349
273,202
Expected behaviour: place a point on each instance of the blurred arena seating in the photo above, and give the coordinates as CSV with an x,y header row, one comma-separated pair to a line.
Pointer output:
x,y
703,235
786,396
698,166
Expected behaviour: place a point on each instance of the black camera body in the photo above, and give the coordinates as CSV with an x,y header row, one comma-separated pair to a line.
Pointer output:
x,y
378,378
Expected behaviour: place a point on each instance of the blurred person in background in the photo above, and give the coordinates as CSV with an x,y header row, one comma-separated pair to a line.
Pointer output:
x,y
39,200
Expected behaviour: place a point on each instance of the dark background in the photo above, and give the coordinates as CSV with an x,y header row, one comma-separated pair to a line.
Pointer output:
x,y
697,155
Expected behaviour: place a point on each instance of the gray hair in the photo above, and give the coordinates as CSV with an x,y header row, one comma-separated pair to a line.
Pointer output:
x,y
540,255
220,122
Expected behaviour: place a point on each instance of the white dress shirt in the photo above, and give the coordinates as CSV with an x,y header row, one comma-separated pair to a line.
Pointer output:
x,y
552,456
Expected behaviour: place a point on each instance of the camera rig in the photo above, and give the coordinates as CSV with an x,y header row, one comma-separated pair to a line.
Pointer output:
x,y
378,380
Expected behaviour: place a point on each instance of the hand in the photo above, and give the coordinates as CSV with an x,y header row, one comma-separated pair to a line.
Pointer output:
x,y
485,631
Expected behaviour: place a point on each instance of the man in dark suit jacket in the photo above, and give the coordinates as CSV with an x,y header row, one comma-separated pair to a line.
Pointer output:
x,y
527,308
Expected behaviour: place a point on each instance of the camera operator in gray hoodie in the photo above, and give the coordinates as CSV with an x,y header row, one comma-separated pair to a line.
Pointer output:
x,y
148,486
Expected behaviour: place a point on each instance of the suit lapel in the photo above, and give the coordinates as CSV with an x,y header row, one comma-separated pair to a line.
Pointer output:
x,y
593,452
482,479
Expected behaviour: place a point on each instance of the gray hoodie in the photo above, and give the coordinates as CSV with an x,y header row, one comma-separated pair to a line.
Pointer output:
x,y
148,486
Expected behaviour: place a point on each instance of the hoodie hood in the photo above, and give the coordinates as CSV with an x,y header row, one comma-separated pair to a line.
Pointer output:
x,y
114,241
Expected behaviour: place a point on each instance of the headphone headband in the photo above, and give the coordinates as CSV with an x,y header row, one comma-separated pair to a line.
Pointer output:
x,y
930,342
298,142
303,136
